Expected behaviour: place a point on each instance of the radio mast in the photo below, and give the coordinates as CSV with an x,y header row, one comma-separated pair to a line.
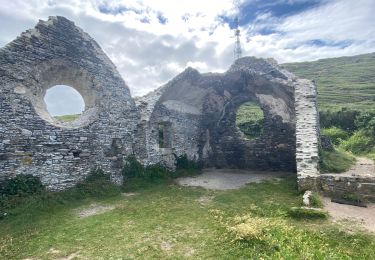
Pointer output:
x,y
237,52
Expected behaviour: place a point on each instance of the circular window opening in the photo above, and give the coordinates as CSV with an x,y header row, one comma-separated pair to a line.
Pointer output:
x,y
250,120
64,103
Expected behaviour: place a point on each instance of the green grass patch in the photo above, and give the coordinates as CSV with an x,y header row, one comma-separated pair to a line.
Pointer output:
x,y
307,213
250,119
67,118
167,221
347,82
361,143
335,161
336,134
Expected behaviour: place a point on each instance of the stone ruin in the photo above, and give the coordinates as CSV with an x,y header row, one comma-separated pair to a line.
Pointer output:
x,y
194,112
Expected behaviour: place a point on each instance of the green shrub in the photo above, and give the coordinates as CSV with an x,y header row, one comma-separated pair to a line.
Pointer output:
x,y
335,134
353,197
335,161
361,142
344,119
157,171
366,121
21,185
306,213
316,201
185,167
133,168
96,184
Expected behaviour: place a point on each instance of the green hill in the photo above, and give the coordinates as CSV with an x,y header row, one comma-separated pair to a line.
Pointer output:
x,y
342,82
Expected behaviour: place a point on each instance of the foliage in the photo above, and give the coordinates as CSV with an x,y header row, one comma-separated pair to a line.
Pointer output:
x,y
315,200
132,168
184,165
343,119
21,185
136,173
361,142
335,161
307,213
366,121
67,118
335,134
353,197
250,119
96,185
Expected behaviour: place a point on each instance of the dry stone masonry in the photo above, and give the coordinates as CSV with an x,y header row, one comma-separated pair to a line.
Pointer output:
x,y
193,114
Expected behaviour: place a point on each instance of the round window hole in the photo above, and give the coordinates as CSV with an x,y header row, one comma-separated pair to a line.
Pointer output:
x,y
250,120
64,103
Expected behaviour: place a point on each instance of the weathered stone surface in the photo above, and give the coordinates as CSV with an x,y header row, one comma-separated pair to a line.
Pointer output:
x,y
193,114
31,141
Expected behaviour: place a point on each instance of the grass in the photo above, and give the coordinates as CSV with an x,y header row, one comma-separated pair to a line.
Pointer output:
x,y
249,119
335,161
342,82
67,118
167,221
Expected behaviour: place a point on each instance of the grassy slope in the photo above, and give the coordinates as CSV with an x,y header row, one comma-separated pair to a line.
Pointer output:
x,y
342,82
167,221
67,118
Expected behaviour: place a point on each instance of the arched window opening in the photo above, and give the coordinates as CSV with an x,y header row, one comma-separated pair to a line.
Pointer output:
x,y
64,103
250,120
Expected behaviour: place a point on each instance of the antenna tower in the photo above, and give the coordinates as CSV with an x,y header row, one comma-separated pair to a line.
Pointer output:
x,y
237,52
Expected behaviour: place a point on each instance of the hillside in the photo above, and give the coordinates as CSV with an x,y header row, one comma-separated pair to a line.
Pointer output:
x,y
342,82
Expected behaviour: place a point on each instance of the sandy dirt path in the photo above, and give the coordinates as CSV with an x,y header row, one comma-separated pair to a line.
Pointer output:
x,y
227,179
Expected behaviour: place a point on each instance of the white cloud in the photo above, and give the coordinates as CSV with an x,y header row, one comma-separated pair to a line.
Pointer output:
x,y
147,54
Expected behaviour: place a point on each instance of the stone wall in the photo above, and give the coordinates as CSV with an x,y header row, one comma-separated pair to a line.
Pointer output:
x,y
307,134
337,186
193,114
33,142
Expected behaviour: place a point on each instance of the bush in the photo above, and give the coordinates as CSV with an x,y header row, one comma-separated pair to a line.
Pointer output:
x,y
132,168
344,119
335,161
184,166
316,201
335,134
21,185
96,184
135,170
353,197
366,121
360,142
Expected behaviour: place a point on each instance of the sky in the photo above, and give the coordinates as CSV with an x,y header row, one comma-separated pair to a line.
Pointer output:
x,y
151,41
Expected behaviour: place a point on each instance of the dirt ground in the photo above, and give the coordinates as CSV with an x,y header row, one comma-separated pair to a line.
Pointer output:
x,y
362,217
227,179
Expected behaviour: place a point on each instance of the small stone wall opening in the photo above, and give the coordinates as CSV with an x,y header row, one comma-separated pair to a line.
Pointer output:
x,y
250,120
165,135
64,103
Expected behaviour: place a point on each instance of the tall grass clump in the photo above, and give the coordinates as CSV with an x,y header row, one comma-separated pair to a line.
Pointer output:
x,y
336,134
26,193
335,161
138,176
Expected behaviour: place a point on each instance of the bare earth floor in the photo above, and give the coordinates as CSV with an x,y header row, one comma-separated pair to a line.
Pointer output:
x,y
364,217
227,179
